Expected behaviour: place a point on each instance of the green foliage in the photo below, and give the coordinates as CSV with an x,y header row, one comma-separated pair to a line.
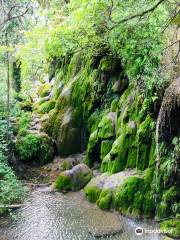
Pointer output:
x,y
24,122
171,227
11,190
35,148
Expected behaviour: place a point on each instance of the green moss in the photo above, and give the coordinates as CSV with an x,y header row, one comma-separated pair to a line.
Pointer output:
x,y
168,206
125,194
105,163
148,204
162,210
106,128
114,105
106,146
44,90
120,149
64,182
92,193
105,200
46,107
129,198
144,141
171,228
170,195
35,148
92,147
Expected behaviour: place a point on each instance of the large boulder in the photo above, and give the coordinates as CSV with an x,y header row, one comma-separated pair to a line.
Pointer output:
x,y
100,189
74,179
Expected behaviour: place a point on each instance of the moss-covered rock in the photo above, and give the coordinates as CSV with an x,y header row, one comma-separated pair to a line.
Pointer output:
x,y
171,228
144,141
46,107
101,188
92,193
64,181
74,179
106,146
35,148
106,127
105,199
129,195
120,148
44,90
135,198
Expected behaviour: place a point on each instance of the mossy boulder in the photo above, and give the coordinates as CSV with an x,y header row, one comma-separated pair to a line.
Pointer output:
x,y
134,198
127,194
64,181
92,193
35,148
171,227
44,90
102,187
46,107
74,179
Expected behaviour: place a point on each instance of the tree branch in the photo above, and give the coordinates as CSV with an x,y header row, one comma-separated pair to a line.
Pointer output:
x,y
138,14
8,17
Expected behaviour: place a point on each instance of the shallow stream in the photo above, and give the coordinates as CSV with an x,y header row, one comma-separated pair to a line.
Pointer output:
x,y
55,216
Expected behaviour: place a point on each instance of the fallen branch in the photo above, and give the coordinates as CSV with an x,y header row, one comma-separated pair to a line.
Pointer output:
x,y
13,206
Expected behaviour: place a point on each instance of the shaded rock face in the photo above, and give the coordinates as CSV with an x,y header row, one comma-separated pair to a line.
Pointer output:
x,y
169,116
74,179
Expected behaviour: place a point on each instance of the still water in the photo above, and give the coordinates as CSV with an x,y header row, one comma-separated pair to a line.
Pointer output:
x,y
55,216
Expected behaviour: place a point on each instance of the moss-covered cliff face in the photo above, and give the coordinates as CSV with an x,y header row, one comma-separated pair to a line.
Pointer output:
x,y
91,106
